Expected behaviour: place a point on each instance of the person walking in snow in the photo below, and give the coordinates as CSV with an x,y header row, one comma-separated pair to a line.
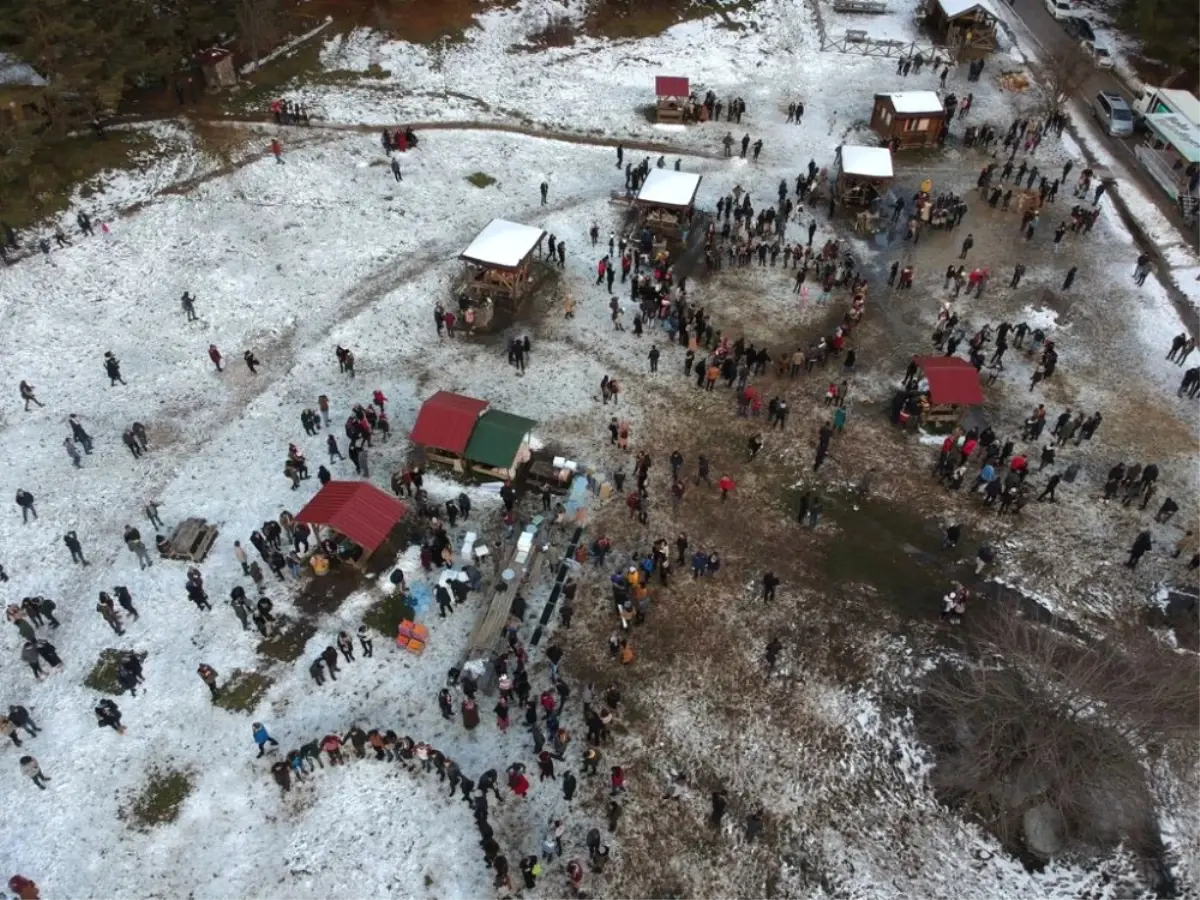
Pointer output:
x,y
28,396
251,361
545,189
25,502
215,355
72,542
188,302
209,676
112,367
79,434
126,600
396,169
108,715
277,150
133,540
31,770
262,738
108,611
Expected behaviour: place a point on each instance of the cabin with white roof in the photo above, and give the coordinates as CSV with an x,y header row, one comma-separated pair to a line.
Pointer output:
x,y
863,174
968,27
908,119
497,261
666,202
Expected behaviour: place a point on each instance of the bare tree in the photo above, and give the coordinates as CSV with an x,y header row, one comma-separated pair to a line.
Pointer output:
x,y
1062,76
259,25
1043,719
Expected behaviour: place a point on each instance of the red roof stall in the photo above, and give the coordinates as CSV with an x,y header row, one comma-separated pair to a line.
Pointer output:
x,y
671,95
444,426
360,511
953,386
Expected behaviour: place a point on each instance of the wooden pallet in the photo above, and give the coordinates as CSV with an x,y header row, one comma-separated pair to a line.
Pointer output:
x,y
191,540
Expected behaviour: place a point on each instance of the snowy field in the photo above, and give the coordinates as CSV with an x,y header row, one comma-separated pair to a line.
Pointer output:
x,y
327,249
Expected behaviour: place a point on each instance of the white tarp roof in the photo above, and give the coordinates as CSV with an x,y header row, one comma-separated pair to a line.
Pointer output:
x,y
911,103
503,243
669,188
954,8
1177,131
870,162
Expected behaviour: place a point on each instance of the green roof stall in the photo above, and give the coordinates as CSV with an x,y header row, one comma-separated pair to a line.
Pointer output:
x,y
499,444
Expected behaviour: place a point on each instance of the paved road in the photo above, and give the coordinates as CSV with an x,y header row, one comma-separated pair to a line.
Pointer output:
x,y
1051,36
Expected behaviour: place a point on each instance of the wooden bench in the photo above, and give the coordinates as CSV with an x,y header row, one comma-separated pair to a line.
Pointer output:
x,y
190,541
872,7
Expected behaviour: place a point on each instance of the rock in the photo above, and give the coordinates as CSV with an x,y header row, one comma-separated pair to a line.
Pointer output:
x,y
1043,827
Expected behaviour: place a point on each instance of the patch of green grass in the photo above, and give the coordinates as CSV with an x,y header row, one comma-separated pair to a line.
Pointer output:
x,y
386,614
103,677
481,179
159,801
288,643
242,691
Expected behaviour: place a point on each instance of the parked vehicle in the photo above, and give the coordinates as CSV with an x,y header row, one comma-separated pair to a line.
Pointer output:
x,y
1111,110
1097,53
1060,9
1164,100
1078,28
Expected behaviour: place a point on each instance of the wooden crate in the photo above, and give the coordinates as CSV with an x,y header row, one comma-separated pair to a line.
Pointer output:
x,y
191,540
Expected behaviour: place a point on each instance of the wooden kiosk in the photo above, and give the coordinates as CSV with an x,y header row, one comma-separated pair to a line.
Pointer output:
x,y
966,26
666,202
953,388
671,95
444,426
357,512
499,445
863,174
497,261
909,119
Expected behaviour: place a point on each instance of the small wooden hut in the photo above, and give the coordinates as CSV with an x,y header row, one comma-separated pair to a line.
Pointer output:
x,y
863,174
953,388
666,202
499,445
909,119
444,426
497,261
216,63
671,98
968,27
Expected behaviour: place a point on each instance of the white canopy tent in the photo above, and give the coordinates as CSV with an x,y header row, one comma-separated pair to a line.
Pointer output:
x,y
866,162
666,187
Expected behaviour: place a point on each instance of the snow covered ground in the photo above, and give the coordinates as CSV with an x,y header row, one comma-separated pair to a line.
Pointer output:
x,y
327,249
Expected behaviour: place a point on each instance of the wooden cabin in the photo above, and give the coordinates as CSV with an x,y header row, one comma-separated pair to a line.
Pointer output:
x,y
968,27
666,202
953,389
497,261
359,514
216,64
909,119
671,95
499,445
863,174
443,428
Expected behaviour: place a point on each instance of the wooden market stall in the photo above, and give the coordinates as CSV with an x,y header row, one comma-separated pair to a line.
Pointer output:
x,y
671,98
863,174
907,119
968,27
953,388
666,203
499,445
444,425
497,261
359,515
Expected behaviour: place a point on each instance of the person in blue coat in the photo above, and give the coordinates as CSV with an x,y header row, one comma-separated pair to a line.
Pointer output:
x,y
262,738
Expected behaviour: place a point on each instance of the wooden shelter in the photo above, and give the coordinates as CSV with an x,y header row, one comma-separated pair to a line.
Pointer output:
x,y
666,202
444,426
953,389
909,119
863,174
968,27
216,63
358,512
499,444
671,98
497,261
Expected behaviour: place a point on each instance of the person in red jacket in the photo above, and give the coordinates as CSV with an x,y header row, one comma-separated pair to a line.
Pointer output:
x,y
380,400
277,150
215,355
449,319
617,780
23,888
726,485
601,268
